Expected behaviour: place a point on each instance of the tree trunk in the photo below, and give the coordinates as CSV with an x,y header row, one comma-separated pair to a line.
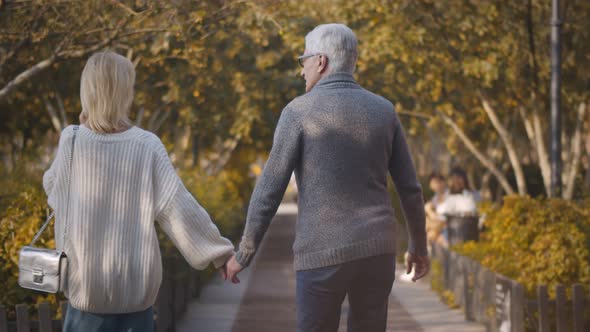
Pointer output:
x,y
181,145
55,118
139,118
487,163
485,191
196,149
544,163
508,144
221,157
576,148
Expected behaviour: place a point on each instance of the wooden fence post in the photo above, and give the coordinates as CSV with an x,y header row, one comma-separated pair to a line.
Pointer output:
x,y
491,299
517,307
560,308
578,304
543,308
22,318
467,291
3,320
446,263
45,320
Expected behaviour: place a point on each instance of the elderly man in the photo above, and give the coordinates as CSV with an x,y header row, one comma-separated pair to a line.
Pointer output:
x,y
342,141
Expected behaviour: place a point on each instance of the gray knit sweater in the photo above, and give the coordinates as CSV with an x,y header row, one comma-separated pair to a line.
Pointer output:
x,y
342,141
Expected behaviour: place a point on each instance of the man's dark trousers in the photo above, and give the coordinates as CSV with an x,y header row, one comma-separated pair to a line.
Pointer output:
x,y
367,282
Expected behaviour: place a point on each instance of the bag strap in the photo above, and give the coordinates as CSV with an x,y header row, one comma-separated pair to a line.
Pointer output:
x,y
68,200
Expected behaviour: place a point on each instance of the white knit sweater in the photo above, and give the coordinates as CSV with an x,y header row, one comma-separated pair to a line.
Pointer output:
x,y
120,184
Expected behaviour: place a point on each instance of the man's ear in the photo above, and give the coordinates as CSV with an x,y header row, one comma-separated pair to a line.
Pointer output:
x,y
323,63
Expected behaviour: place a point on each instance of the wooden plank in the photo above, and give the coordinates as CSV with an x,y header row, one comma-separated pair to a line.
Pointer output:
x,y
45,321
3,320
543,308
446,262
466,302
64,311
517,304
560,308
578,304
490,302
23,324
468,290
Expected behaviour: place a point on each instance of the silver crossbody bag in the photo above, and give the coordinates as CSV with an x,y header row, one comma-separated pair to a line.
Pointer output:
x,y
43,269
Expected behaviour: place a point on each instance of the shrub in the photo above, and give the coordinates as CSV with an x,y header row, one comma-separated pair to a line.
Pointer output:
x,y
535,242
23,217
225,196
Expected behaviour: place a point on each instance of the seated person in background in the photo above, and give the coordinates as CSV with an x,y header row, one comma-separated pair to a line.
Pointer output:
x,y
461,199
434,223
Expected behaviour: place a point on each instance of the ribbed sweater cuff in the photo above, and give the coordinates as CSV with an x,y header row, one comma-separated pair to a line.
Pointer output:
x,y
244,258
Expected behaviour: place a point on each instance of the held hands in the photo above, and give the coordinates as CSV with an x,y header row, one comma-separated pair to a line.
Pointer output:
x,y
230,270
421,265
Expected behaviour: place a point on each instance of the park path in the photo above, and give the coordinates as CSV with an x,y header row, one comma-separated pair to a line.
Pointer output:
x,y
264,301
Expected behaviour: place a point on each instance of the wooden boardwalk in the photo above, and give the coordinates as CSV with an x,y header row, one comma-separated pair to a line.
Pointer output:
x,y
265,299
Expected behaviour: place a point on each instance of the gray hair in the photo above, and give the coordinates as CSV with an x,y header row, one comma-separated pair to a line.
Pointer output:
x,y
337,42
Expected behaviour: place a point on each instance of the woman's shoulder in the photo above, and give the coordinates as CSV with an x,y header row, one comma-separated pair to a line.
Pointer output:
x,y
152,140
69,130
66,134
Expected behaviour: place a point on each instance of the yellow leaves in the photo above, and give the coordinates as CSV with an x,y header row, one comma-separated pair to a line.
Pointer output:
x,y
484,69
536,241
256,169
197,16
18,224
267,59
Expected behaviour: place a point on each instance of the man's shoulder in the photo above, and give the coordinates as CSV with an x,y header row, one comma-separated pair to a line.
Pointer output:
x,y
378,99
300,102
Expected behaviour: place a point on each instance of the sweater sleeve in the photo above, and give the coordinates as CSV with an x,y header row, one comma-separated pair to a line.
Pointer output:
x,y
271,185
186,222
403,173
59,164
48,182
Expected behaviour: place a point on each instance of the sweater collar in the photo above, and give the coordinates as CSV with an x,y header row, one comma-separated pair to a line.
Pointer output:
x,y
336,80
116,137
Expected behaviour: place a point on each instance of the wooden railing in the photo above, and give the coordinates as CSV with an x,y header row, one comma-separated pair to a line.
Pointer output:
x,y
500,302
179,285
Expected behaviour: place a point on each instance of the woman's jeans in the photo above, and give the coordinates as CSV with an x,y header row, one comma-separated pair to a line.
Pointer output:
x,y
367,282
81,321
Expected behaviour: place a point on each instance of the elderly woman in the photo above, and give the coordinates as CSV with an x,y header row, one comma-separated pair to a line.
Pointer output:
x,y
121,180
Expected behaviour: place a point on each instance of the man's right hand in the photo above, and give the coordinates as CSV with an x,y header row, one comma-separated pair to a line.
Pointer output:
x,y
231,270
420,264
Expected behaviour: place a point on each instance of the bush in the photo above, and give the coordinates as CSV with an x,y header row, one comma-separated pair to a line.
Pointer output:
x,y
535,242
224,196
23,217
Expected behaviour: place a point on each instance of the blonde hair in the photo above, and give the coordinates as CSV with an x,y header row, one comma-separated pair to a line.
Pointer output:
x,y
106,91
